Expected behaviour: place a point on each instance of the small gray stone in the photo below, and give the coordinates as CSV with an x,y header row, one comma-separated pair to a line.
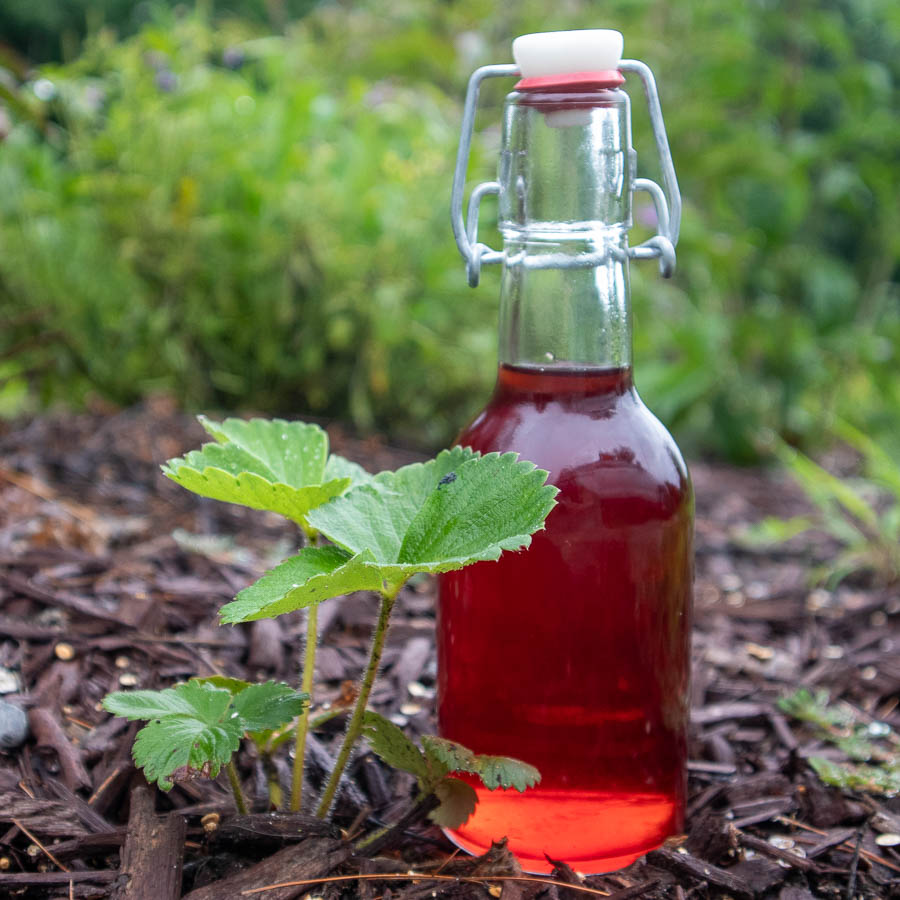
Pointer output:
x,y
13,726
9,681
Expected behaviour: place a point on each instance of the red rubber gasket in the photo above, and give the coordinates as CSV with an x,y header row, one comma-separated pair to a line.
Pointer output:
x,y
573,81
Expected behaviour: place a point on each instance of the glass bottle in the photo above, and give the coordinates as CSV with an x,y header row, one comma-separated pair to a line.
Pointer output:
x,y
574,654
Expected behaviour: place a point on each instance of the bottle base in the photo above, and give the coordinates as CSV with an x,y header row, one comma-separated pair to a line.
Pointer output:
x,y
594,832
532,866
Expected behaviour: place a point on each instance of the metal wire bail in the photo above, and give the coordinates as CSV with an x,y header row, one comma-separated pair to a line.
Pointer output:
x,y
666,202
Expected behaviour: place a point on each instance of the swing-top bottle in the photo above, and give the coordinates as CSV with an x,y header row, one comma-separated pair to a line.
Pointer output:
x,y
574,654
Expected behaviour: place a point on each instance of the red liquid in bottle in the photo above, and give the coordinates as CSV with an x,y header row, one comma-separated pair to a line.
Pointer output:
x,y
574,655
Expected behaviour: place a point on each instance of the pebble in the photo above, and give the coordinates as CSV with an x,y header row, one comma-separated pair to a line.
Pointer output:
x,y
13,726
417,689
731,581
888,840
9,681
760,652
817,600
756,590
65,652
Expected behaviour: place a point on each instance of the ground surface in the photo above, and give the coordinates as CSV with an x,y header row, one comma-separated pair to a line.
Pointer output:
x,y
97,594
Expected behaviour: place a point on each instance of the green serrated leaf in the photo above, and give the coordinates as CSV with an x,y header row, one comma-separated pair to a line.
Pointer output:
x,y
458,802
447,756
228,473
494,771
493,503
294,452
165,745
505,772
267,706
192,699
456,509
339,467
190,725
313,575
393,746
232,685
269,464
377,516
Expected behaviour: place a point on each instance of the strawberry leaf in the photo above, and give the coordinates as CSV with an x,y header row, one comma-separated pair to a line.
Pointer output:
x,y
313,575
190,727
339,467
505,772
494,771
393,746
274,465
198,725
458,802
176,742
454,510
267,706
295,453
232,685
191,699
448,756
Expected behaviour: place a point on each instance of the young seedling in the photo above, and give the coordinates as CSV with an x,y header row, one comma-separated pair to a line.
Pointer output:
x,y
455,510
279,466
196,727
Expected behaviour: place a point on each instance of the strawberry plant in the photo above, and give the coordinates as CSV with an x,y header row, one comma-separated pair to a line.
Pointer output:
x,y
362,532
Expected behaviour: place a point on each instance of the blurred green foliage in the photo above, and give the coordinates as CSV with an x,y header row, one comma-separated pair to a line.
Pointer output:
x,y
870,746
861,514
254,219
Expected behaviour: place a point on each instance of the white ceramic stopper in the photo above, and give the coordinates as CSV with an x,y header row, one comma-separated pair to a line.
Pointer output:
x,y
562,52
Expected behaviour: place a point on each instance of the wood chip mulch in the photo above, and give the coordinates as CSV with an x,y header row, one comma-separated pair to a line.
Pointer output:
x,y
110,578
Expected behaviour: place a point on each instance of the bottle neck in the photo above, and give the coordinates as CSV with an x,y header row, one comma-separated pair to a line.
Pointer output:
x,y
566,177
565,317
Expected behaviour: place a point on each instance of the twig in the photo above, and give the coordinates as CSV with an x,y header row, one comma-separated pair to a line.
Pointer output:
x,y
447,861
846,845
854,866
414,876
38,844
760,846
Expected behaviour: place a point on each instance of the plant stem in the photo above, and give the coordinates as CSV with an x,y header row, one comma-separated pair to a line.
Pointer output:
x,y
239,800
306,684
354,727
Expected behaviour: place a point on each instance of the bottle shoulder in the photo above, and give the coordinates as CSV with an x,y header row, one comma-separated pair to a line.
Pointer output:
x,y
594,438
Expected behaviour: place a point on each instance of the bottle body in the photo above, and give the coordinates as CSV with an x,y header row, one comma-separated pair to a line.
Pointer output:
x,y
574,654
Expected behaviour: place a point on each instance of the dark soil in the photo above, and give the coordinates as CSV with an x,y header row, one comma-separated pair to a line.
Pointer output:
x,y
110,577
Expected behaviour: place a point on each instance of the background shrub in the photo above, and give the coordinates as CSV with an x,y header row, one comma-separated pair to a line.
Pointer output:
x,y
255,218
